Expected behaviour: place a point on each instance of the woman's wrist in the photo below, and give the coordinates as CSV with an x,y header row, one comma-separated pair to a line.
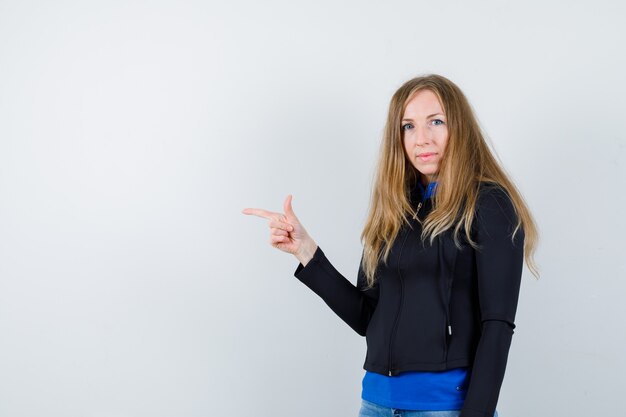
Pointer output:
x,y
306,252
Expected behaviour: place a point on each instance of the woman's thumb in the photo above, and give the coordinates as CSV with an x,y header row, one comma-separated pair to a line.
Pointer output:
x,y
288,209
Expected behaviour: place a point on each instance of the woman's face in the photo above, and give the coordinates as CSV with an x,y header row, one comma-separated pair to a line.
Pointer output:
x,y
425,133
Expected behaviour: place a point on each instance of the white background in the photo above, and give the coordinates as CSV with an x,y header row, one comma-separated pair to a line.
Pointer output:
x,y
132,134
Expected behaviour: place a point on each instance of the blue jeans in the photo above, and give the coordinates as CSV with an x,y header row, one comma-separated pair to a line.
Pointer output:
x,y
369,409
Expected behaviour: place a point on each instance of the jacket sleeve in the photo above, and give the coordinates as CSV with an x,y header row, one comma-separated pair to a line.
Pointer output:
x,y
499,262
353,304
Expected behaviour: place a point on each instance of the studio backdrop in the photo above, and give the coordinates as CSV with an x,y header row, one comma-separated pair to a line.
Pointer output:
x,y
133,133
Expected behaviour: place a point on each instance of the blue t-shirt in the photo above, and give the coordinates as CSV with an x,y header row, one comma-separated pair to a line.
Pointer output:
x,y
418,390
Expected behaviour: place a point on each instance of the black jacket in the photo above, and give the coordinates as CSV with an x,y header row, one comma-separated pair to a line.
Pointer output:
x,y
436,307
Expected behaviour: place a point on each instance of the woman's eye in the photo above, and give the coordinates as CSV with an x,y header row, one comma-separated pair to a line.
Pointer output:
x,y
405,125
438,120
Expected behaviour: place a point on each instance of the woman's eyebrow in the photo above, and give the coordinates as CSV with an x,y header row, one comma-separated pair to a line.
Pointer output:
x,y
430,115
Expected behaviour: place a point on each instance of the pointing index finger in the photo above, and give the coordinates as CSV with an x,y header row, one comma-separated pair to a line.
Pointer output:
x,y
259,212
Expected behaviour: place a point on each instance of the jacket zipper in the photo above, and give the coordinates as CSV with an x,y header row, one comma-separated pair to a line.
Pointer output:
x,y
395,323
448,331
417,211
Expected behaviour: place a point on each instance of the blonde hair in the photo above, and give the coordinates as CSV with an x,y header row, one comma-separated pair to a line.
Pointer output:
x,y
467,161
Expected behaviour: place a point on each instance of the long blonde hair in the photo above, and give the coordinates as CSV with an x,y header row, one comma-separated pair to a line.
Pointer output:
x,y
466,162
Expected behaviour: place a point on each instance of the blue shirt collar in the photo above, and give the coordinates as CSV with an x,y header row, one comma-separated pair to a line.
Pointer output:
x,y
429,191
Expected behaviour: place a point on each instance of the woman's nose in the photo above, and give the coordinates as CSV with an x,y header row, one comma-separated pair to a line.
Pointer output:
x,y
422,136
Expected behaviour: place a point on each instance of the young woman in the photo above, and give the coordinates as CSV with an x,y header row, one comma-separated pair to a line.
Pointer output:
x,y
443,250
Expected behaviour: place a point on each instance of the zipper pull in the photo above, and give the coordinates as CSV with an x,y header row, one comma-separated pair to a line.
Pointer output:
x,y
449,329
389,373
417,211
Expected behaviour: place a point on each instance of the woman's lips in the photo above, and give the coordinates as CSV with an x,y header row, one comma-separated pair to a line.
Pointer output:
x,y
427,156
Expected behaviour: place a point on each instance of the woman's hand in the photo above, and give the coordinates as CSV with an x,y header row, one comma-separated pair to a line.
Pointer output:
x,y
286,232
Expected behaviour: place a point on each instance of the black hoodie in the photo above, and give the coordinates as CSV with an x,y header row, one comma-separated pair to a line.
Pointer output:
x,y
437,307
